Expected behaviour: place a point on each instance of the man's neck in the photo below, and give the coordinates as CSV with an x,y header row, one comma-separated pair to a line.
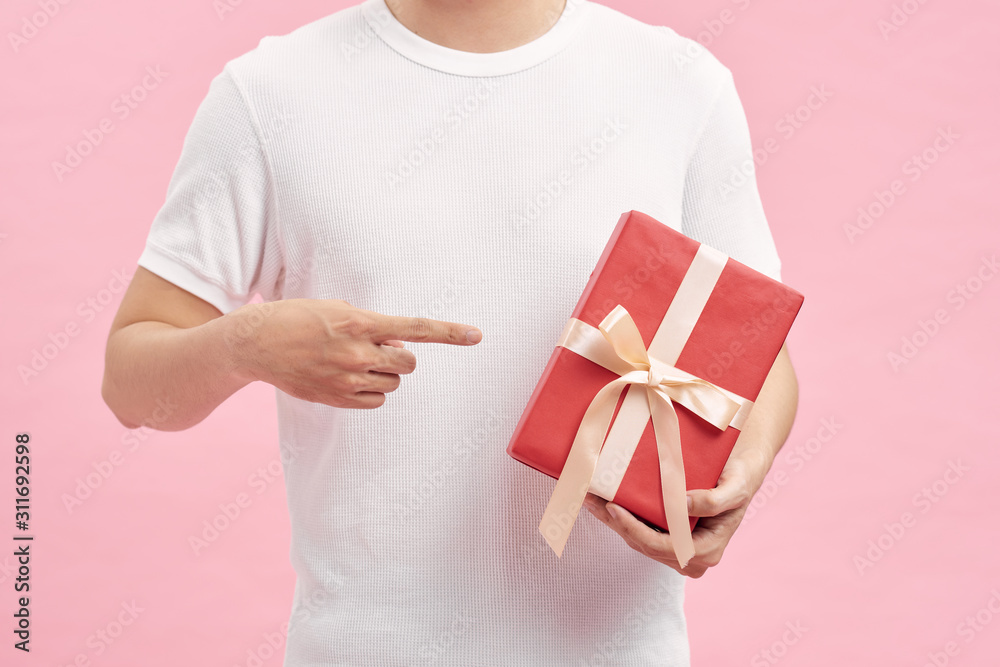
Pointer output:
x,y
479,26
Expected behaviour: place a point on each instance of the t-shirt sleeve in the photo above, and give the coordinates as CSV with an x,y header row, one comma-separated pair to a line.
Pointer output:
x,y
721,205
215,235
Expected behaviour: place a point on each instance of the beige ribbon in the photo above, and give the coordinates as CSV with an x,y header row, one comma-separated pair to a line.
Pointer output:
x,y
654,383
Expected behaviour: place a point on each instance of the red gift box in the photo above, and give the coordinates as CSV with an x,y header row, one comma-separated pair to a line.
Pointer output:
x,y
713,328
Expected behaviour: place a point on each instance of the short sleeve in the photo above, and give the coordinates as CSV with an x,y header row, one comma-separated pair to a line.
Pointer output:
x,y
215,235
721,206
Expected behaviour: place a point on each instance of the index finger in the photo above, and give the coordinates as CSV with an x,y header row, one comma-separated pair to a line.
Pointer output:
x,y
423,330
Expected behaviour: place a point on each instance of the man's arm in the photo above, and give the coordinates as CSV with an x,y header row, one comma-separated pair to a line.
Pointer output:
x,y
166,365
172,358
723,507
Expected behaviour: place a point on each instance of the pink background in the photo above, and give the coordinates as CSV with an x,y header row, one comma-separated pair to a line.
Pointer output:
x,y
795,561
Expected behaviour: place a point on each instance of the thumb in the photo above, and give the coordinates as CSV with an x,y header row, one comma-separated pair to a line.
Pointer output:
x,y
728,495
393,343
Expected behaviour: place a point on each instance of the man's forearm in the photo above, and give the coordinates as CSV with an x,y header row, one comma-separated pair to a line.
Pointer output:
x,y
771,419
169,378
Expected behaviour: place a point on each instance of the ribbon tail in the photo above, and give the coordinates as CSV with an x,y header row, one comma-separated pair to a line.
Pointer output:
x,y
574,480
673,482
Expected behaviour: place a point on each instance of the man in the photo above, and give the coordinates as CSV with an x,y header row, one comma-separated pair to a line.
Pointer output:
x,y
379,176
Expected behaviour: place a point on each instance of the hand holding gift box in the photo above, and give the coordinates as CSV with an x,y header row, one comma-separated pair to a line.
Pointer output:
x,y
610,412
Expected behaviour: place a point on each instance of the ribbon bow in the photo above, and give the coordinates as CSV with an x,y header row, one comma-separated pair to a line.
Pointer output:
x,y
617,345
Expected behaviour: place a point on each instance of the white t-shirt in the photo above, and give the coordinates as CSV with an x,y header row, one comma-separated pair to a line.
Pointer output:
x,y
352,159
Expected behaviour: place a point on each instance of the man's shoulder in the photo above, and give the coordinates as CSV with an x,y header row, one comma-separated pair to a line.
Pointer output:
x,y
658,46
335,36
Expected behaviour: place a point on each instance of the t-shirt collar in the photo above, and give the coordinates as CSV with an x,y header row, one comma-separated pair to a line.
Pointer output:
x,y
465,63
